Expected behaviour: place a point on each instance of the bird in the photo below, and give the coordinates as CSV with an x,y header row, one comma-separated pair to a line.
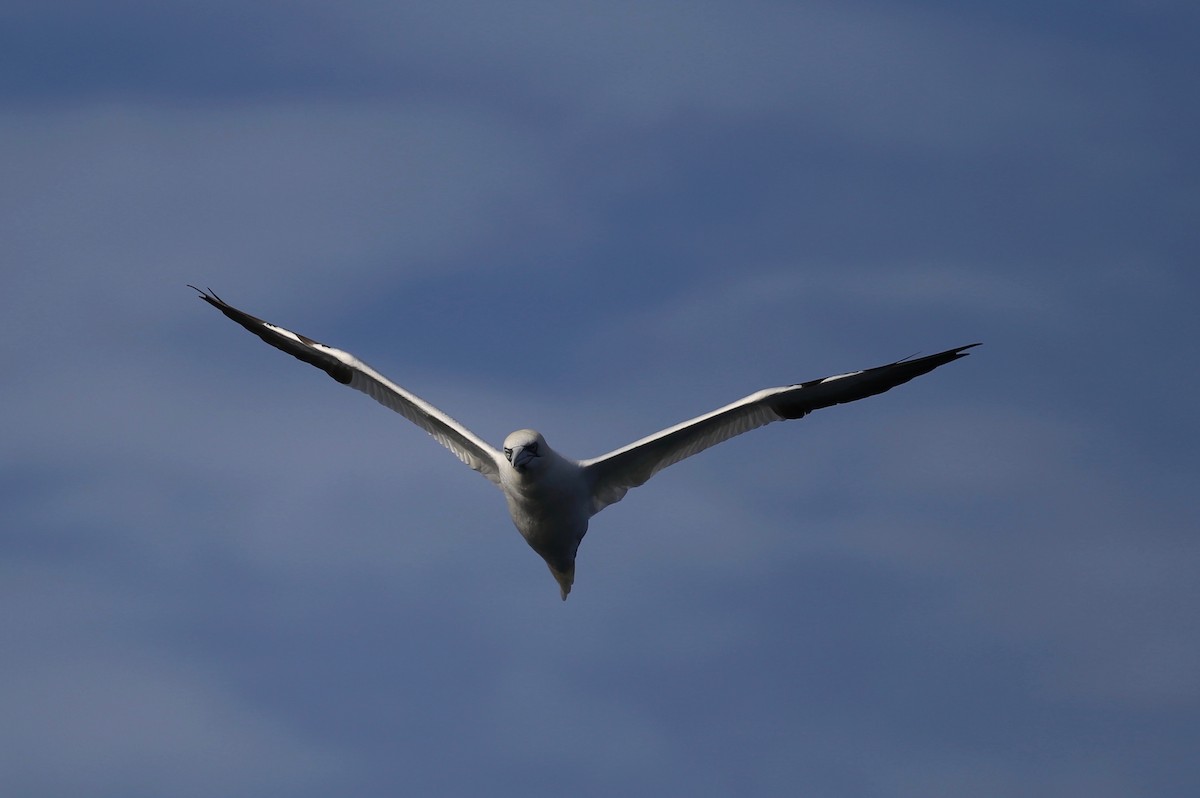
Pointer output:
x,y
551,498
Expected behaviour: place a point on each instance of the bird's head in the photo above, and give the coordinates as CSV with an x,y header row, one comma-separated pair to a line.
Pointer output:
x,y
526,450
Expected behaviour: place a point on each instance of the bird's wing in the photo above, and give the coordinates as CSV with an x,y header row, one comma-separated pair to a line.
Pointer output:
x,y
349,370
613,474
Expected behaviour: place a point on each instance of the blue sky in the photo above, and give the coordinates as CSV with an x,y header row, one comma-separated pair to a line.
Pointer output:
x,y
224,574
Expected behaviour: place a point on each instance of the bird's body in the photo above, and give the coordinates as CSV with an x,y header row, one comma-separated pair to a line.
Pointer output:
x,y
550,497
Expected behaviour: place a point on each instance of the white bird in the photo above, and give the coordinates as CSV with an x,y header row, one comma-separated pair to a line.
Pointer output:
x,y
551,498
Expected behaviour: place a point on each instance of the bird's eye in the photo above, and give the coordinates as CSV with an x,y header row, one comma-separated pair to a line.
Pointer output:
x,y
533,448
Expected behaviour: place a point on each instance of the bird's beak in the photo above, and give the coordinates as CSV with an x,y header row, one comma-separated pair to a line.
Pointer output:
x,y
521,457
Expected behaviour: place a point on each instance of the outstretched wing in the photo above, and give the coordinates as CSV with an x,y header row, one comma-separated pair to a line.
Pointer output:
x,y
613,474
349,370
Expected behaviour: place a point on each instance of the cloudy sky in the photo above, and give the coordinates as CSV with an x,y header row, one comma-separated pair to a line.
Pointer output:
x,y
223,574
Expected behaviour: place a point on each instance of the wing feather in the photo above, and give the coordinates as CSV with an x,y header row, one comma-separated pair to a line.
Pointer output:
x,y
613,474
349,370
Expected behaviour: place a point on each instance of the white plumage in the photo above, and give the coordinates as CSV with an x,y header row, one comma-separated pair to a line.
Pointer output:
x,y
550,497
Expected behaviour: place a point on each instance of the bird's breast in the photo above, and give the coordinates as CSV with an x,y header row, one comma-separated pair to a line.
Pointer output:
x,y
549,509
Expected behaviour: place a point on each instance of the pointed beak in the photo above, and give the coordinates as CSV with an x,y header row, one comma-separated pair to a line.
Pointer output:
x,y
521,457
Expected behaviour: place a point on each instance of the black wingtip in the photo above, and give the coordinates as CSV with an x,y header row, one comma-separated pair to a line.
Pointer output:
x,y
296,345
826,392
926,364
953,354
208,295
962,350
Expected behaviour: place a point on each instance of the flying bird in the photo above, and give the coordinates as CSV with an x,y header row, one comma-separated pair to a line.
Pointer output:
x,y
550,497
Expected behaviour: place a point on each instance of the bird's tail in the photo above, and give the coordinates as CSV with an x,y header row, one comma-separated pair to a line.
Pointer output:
x,y
565,579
